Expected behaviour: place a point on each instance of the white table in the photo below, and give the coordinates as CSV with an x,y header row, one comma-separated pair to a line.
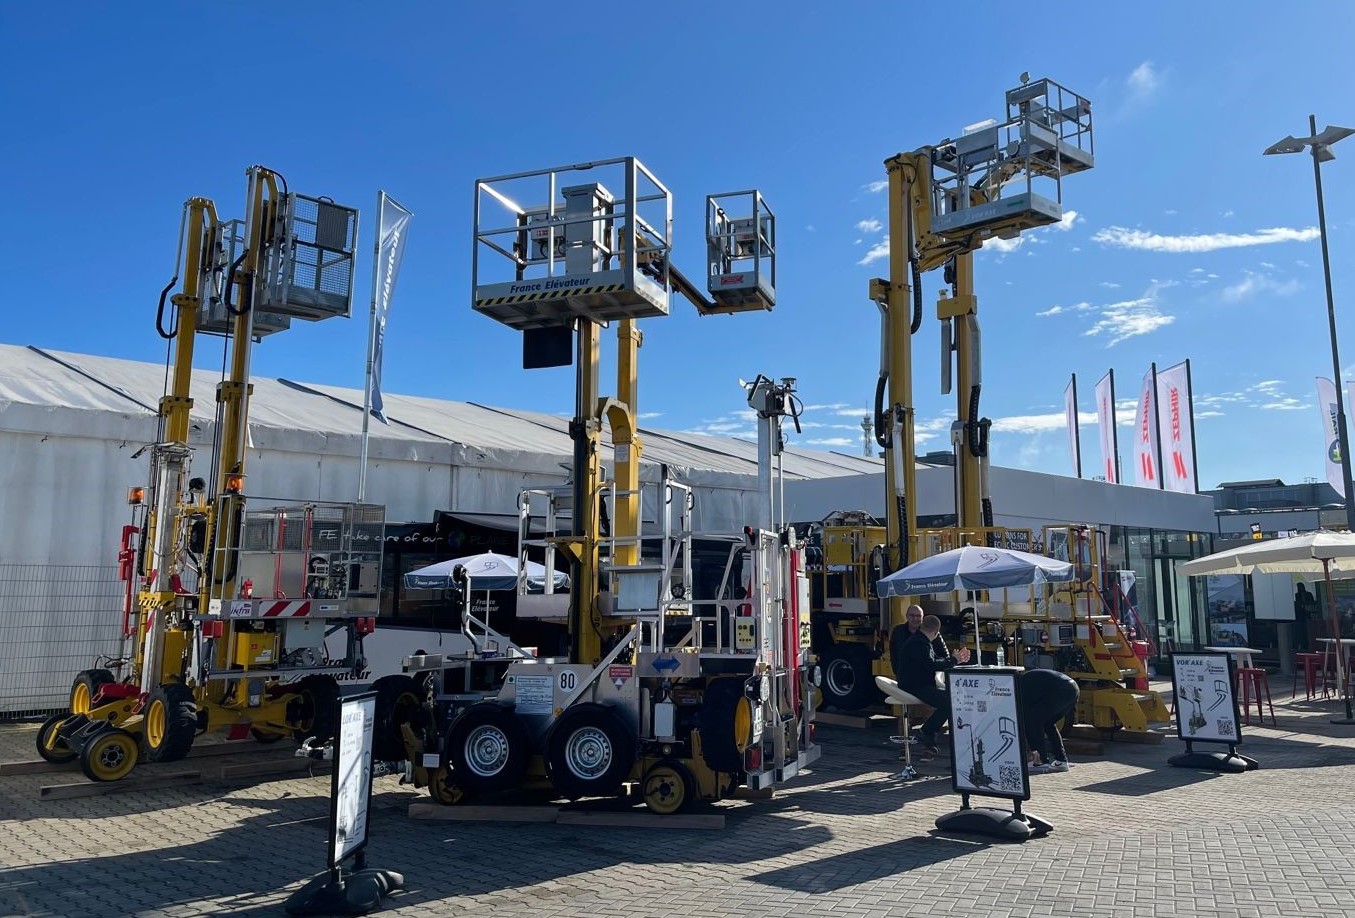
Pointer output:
x,y
1241,655
1329,648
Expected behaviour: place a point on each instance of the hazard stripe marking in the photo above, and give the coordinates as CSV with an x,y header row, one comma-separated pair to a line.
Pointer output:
x,y
549,295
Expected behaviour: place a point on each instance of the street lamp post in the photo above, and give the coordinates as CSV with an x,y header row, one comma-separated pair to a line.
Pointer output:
x,y
1320,145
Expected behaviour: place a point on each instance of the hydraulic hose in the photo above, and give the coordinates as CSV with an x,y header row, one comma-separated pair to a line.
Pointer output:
x,y
160,312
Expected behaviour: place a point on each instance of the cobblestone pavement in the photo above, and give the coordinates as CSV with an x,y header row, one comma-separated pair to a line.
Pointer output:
x,y
1132,837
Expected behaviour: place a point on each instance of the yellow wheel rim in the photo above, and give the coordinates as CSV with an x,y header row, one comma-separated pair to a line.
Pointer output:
x,y
80,699
441,791
155,724
743,723
665,790
113,756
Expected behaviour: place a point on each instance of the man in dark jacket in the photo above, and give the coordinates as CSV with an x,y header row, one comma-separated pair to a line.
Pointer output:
x,y
1047,696
915,669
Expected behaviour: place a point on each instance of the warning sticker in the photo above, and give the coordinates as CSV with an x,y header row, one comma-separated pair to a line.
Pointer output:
x,y
620,675
533,694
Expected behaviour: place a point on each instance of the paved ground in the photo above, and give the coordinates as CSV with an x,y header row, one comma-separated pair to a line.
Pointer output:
x,y
1132,837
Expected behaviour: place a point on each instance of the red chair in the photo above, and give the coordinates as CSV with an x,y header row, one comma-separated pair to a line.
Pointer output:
x,y
1253,681
1310,665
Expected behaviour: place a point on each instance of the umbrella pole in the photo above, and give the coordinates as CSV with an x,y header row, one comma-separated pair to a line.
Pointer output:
x,y
1342,663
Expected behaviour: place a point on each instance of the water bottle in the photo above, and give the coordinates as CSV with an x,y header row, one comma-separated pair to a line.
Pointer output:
x,y
1001,655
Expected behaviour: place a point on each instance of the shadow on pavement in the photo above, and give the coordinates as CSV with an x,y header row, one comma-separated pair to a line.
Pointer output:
x,y
875,863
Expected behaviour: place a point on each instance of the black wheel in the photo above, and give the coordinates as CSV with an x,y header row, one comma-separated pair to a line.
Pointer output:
x,y
266,738
86,686
847,680
589,752
109,755
52,747
441,791
667,788
399,701
170,723
726,722
315,711
487,748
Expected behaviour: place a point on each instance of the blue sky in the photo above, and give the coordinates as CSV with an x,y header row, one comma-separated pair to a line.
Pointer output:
x,y
1185,243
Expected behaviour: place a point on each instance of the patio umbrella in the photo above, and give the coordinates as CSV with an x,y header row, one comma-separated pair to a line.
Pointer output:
x,y
973,567
1321,552
486,571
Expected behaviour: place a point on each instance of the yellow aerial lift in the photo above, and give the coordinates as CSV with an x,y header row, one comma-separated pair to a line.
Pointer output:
x,y
688,695
229,600
994,181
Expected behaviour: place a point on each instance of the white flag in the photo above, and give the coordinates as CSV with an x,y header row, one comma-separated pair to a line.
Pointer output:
x,y
1070,415
1331,440
390,251
1145,437
1105,417
1174,420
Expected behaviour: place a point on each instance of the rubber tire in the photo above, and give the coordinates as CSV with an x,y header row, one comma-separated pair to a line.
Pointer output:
x,y
319,698
599,719
399,700
667,794
266,739
62,753
91,755
721,749
486,714
848,683
89,680
180,725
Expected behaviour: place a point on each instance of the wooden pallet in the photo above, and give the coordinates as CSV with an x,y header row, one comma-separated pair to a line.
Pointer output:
x,y
625,819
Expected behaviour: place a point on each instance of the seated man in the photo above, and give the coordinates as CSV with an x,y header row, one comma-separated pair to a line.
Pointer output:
x,y
915,669
1047,696
900,635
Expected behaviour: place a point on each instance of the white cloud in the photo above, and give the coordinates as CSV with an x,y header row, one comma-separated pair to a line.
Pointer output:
x,y
1120,237
832,441
1111,284
649,415
1227,214
877,251
1253,284
809,227
1060,310
1131,318
869,226
877,186
1003,246
1069,218
1144,81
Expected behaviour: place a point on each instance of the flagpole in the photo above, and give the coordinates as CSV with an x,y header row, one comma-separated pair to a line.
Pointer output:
x,y
1194,444
1157,425
371,352
1077,431
1115,431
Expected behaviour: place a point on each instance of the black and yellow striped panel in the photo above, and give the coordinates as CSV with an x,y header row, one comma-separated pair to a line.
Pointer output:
x,y
555,294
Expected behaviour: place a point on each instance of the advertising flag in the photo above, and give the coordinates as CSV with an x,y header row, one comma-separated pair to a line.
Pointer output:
x,y
390,250
1145,436
1105,419
1331,441
1174,412
1070,415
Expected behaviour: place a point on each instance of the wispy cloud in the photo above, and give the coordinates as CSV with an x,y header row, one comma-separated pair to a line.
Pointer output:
x,y
869,226
1110,284
877,186
877,251
1131,318
1060,310
1068,219
1254,284
1144,82
832,441
1122,238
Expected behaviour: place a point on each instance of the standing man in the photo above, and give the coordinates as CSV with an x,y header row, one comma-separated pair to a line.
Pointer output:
x,y
916,666
1047,696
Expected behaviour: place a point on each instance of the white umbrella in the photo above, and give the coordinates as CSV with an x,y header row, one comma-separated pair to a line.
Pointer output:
x,y
973,567
1321,552
486,571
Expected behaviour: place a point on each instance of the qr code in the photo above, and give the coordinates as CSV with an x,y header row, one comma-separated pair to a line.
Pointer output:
x,y
1225,726
982,704
1009,777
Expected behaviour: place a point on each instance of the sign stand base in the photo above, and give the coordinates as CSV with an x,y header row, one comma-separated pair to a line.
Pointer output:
x,y
1005,825
344,892
1228,761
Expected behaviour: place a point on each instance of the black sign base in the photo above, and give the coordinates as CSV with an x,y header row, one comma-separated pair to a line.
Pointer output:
x,y
1230,762
1001,824
351,893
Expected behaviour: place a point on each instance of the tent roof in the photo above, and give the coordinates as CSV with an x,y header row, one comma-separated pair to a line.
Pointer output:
x,y
47,379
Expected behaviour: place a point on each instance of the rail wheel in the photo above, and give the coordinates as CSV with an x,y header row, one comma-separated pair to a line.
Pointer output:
x,y
399,701
52,747
85,687
667,788
441,790
589,752
726,720
487,748
171,723
847,681
109,755
315,712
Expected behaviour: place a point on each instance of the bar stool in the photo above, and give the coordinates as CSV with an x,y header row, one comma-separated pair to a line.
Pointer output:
x,y
902,700
1253,681
1310,664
